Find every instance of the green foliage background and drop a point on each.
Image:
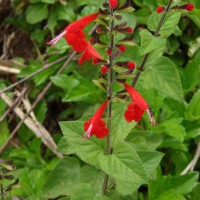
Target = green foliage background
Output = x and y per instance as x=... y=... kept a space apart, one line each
x=170 y=84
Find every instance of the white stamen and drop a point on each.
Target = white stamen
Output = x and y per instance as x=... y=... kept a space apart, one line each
x=57 y=38
x=87 y=133
x=152 y=120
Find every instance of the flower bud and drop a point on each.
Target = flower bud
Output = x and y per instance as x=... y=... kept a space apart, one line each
x=131 y=65
x=122 y=48
x=129 y=30
x=109 y=52
x=104 y=69
x=189 y=6
x=113 y=4
x=160 y=9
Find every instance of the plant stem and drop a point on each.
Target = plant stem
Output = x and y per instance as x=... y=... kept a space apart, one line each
x=1 y=184
x=109 y=94
x=141 y=67
x=2 y=195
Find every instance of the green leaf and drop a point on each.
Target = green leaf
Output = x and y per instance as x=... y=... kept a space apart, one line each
x=88 y=150
x=65 y=13
x=169 y=24
x=85 y=192
x=163 y=76
x=52 y=21
x=151 y=160
x=65 y=82
x=149 y=42
x=93 y=177
x=174 y=128
x=126 y=167
x=171 y=194
x=85 y=91
x=182 y=185
x=193 y=109
x=49 y=1
x=63 y=178
x=120 y=127
x=89 y=2
x=36 y=13
x=126 y=10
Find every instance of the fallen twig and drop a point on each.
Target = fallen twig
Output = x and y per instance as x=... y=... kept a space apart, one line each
x=192 y=164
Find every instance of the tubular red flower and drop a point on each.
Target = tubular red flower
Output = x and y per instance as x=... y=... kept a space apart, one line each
x=135 y=96
x=135 y=109
x=113 y=3
x=95 y=125
x=89 y=53
x=74 y=35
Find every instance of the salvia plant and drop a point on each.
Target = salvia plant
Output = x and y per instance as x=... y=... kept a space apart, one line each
x=103 y=140
x=110 y=160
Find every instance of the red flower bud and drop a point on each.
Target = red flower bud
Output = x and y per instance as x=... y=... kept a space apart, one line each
x=113 y=3
x=189 y=7
x=160 y=9
x=122 y=48
x=109 y=52
x=131 y=65
x=129 y=30
x=104 y=69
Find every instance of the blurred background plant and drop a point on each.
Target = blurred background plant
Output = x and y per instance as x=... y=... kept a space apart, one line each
x=25 y=27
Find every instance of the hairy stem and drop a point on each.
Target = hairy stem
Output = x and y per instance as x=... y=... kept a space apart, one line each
x=141 y=67
x=109 y=94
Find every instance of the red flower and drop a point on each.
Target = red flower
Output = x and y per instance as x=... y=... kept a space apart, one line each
x=189 y=7
x=136 y=109
x=159 y=9
x=95 y=125
x=89 y=53
x=113 y=3
x=74 y=34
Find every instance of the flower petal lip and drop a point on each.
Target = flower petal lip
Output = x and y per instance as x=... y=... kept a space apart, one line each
x=135 y=96
x=89 y=53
